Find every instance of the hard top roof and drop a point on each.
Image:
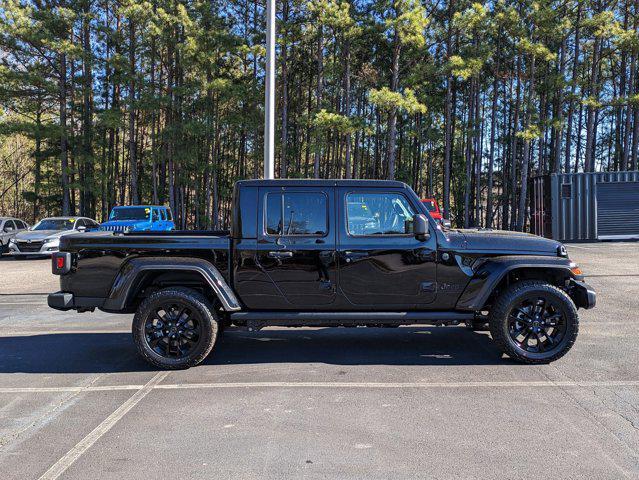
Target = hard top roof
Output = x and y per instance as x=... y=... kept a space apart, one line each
x=309 y=182
x=140 y=206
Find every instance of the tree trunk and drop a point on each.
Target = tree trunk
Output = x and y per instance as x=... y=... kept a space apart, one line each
x=284 y=133
x=320 y=91
x=589 y=163
x=573 y=87
x=347 y=108
x=491 y=154
x=448 y=114
x=64 y=154
x=392 y=115
x=133 y=164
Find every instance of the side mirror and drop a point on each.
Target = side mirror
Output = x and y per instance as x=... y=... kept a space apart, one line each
x=8 y=229
x=81 y=228
x=446 y=222
x=420 y=227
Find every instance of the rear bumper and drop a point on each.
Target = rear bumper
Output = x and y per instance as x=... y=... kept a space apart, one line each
x=61 y=301
x=583 y=294
x=67 y=301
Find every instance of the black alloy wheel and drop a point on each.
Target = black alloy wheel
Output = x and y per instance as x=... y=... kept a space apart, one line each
x=175 y=328
x=534 y=322
x=537 y=324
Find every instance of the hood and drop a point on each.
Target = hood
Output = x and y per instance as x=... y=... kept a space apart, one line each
x=40 y=235
x=123 y=223
x=501 y=241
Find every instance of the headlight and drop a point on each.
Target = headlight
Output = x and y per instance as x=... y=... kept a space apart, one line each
x=52 y=241
x=12 y=241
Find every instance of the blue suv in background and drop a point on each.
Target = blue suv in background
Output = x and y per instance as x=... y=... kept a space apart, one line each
x=139 y=218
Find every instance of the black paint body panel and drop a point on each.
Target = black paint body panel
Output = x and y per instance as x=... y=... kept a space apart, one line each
x=450 y=270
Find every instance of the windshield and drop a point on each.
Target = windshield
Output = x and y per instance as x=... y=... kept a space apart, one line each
x=135 y=213
x=55 y=224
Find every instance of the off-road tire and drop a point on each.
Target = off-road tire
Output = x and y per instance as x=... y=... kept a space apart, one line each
x=196 y=301
x=510 y=298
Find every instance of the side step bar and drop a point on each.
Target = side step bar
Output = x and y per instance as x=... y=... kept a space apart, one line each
x=257 y=320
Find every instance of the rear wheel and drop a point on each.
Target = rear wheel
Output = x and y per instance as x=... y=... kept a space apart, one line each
x=534 y=322
x=175 y=328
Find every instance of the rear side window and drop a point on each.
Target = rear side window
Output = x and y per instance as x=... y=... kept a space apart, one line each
x=379 y=214
x=296 y=214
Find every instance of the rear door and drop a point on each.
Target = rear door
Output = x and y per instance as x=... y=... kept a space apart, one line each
x=296 y=245
x=381 y=263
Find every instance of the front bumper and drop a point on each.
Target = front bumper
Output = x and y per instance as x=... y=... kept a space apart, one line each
x=583 y=294
x=17 y=250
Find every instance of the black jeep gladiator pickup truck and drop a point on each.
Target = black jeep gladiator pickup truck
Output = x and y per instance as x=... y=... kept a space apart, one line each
x=325 y=253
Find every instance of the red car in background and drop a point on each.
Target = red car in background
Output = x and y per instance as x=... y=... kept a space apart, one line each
x=433 y=208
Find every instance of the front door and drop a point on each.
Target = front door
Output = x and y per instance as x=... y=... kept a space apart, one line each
x=296 y=245
x=381 y=263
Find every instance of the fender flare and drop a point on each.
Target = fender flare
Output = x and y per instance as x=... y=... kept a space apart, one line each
x=126 y=279
x=490 y=271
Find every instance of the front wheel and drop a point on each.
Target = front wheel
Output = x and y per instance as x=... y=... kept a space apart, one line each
x=175 y=328
x=534 y=322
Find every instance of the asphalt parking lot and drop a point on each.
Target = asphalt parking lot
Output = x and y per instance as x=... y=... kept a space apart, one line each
x=76 y=401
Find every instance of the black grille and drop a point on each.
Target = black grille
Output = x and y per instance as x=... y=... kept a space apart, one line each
x=30 y=247
x=113 y=228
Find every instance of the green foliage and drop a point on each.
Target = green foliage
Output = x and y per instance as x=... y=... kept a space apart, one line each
x=385 y=99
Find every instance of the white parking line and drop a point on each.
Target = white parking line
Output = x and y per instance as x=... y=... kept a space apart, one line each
x=31 y=333
x=83 y=445
x=352 y=385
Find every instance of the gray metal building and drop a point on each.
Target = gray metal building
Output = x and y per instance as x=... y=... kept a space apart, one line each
x=586 y=206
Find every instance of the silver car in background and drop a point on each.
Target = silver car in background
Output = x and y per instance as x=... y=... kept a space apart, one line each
x=9 y=228
x=44 y=237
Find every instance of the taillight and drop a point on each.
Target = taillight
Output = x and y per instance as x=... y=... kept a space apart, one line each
x=61 y=263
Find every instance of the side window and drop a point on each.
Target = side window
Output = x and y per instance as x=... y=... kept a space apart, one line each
x=296 y=214
x=155 y=216
x=80 y=223
x=163 y=214
x=169 y=215
x=21 y=225
x=379 y=214
x=9 y=224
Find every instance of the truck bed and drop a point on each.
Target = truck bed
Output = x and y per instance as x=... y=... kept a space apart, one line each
x=101 y=255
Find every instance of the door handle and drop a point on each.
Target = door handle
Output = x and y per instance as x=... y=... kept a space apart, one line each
x=280 y=255
x=424 y=254
x=353 y=256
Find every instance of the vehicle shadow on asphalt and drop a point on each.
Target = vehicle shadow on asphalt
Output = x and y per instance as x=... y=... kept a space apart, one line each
x=115 y=352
